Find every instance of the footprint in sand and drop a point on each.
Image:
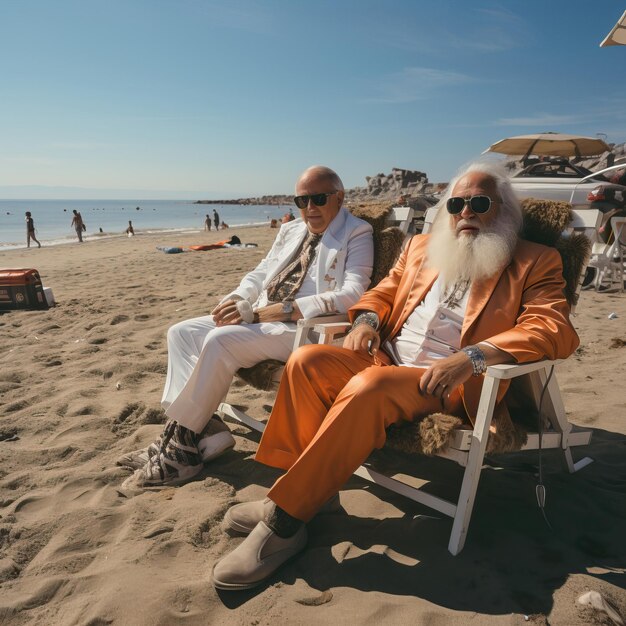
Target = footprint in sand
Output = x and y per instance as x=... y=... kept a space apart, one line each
x=157 y=367
x=50 y=327
x=118 y=319
x=85 y=410
x=4 y=387
x=158 y=529
x=133 y=409
x=346 y=550
x=16 y=406
x=142 y=317
x=13 y=377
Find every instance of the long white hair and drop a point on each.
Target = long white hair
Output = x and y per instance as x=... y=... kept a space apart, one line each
x=473 y=258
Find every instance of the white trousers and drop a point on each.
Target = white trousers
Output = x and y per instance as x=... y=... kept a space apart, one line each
x=202 y=360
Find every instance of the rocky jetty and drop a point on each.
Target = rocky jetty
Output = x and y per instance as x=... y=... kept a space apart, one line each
x=409 y=186
x=614 y=157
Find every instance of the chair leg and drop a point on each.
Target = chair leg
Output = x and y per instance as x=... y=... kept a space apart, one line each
x=556 y=412
x=471 y=475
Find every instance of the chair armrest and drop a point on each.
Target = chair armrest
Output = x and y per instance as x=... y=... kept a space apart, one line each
x=304 y=326
x=311 y=322
x=327 y=332
x=513 y=370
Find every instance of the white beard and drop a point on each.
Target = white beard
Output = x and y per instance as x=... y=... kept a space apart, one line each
x=470 y=257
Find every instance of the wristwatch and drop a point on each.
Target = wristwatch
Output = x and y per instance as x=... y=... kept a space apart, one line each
x=477 y=358
x=288 y=307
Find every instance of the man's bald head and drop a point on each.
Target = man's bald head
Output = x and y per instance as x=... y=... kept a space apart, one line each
x=323 y=175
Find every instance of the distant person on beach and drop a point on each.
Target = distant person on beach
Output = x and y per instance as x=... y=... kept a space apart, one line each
x=130 y=231
x=287 y=217
x=216 y=219
x=223 y=225
x=319 y=264
x=30 y=230
x=207 y=223
x=469 y=295
x=78 y=225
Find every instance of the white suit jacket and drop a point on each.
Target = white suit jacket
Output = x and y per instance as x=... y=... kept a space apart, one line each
x=344 y=261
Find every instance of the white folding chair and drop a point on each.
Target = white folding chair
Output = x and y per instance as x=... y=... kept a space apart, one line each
x=608 y=258
x=467 y=447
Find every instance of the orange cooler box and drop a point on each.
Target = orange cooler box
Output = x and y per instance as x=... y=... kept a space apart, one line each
x=21 y=289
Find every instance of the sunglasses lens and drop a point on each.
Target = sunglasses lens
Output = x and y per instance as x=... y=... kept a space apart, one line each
x=455 y=205
x=480 y=204
x=319 y=199
x=301 y=201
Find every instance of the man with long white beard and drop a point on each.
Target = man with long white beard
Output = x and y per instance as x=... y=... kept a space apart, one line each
x=469 y=295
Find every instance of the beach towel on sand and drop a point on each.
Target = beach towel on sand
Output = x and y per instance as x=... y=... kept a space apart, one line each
x=169 y=249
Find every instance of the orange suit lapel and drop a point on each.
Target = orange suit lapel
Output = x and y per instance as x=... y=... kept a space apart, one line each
x=423 y=280
x=480 y=293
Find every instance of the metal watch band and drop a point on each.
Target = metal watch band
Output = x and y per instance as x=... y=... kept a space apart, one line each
x=370 y=318
x=477 y=357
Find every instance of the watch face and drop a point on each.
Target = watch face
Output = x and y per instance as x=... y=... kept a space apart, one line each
x=287 y=307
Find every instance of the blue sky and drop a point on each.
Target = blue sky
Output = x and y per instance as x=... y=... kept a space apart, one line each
x=229 y=98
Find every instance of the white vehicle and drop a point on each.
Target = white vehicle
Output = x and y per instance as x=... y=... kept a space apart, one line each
x=560 y=180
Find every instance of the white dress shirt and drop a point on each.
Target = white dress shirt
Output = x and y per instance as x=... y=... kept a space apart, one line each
x=431 y=332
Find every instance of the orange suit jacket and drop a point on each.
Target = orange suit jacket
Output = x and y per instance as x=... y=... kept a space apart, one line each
x=521 y=310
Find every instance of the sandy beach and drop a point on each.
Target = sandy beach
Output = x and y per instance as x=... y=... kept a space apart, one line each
x=81 y=383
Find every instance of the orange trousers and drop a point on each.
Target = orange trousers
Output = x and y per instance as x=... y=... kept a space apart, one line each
x=331 y=411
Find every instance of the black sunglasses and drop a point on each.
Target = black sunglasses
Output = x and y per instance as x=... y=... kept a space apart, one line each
x=478 y=204
x=318 y=199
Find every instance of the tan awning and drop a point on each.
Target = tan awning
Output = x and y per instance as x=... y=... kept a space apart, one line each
x=617 y=36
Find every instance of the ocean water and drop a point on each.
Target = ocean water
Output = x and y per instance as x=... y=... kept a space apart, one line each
x=53 y=218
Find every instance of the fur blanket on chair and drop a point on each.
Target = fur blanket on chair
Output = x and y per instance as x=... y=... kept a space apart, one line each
x=544 y=222
x=387 y=239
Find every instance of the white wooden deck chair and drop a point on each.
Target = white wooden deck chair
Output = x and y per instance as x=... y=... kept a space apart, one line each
x=429 y=218
x=401 y=217
x=608 y=258
x=586 y=221
x=467 y=447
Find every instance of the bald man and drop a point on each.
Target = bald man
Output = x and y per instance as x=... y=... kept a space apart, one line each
x=469 y=295
x=320 y=264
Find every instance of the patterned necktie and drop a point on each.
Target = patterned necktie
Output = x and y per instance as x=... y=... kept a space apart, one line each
x=286 y=284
